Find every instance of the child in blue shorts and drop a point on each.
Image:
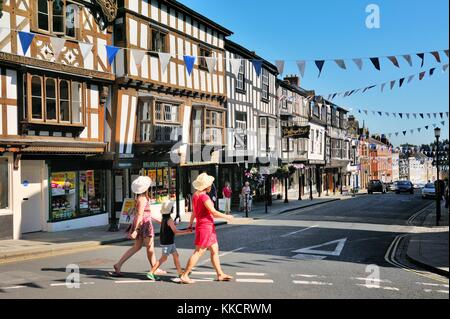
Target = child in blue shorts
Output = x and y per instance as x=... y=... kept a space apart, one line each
x=167 y=240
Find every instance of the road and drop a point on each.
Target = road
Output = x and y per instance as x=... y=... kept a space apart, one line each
x=336 y=250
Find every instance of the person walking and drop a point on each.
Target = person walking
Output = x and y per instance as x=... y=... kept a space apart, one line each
x=142 y=228
x=167 y=240
x=205 y=230
x=227 y=192
x=247 y=196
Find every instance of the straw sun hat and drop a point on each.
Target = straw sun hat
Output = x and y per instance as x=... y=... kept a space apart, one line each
x=141 y=185
x=203 y=181
x=166 y=208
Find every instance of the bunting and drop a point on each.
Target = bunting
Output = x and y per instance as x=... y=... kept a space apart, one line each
x=235 y=66
x=301 y=67
x=211 y=63
x=257 y=64
x=189 y=61
x=57 y=45
x=138 y=56
x=111 y=52
x=320 y=64
x=25 y=40
x=164 y=59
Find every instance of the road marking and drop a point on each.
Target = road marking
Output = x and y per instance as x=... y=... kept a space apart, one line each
x=260 y=281
x=432 y=285
x=315 y=283
x=378 y=287
x=308 y=257
x=373 y=280
x=134 y=282
x=390 y=258
x=440 y=291
x=420 y=212
x=221 y=255
x=312 y=250
x=299 y=231
x=65 y=284
x=12 y=287
x=307 y=276
x=256 y=274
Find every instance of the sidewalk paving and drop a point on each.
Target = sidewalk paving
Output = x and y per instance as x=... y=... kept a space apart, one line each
x=430 y=250
x=45 y=244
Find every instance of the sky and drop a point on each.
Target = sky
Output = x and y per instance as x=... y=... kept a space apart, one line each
x=294 y=30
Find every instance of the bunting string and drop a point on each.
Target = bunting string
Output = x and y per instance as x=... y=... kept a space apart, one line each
x=407 y=116
x=26 y=39
x=416 y=130
x=382 y=86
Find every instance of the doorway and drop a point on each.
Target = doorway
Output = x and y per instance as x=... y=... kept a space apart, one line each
x=32 y=196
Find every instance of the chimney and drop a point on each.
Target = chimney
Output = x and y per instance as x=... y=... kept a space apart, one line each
x=293 y=80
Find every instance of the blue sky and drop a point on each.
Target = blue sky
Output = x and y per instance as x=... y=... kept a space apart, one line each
x=327 y=29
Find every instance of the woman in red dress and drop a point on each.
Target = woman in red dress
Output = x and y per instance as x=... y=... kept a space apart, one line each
x=205 y=230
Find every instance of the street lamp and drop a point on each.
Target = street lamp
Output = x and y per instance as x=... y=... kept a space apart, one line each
x=437 y=134
x=354 y=164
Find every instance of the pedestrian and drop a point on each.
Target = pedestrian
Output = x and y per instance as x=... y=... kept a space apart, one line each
x=167 y=240
x=205 y=230
x=213 y=194
x=247 y=196
x=227 y=192
x=141 y=230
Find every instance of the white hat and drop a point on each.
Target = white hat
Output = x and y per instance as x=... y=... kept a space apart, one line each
x=203 y=181
x=141 y=185
x=166 y=208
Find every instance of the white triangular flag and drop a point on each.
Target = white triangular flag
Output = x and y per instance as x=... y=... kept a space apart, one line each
x=301 y=67
x=164 y=59
x=235 y=66
x=85 y=48
x=211 y=62
x=410 y=78
x=359 y=63
x=138 y=56
x=280 y=66
x=57 y=45
x=444 y=68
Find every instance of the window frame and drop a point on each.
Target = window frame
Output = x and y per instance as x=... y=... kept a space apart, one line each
x=265 y=87
x=204 y=52
x=58 y=121
x=50 y=19
x=208 y=124
x=240 y=79
x=165 y=42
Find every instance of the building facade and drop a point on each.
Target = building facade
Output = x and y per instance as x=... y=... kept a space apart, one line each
x=55 y=111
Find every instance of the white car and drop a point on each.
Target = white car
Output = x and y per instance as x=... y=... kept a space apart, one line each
x=429 y=191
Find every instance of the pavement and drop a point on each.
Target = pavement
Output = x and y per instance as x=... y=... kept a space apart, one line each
x=336 y=250
x=430 y=250
x=44 y=244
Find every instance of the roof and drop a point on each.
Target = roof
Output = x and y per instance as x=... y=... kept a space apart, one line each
x=199 y=16
x=247 y=54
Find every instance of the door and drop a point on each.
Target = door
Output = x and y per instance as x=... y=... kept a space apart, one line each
x=31 y=185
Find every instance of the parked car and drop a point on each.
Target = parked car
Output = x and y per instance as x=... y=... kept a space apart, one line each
x=404 y=187
x=392 y=187
x=429 y=191
x=376 y=186
x=419 y=185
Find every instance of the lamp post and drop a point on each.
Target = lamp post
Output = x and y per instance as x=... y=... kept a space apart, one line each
x=354 y=164
x=437 y=134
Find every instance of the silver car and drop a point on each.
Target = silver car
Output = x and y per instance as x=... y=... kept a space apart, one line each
x=429 y=191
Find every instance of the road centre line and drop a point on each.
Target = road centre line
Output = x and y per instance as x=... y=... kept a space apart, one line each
x=298 y=231
x=307 y=276
x=432 y=285
x=12 y=287
x=440 y=291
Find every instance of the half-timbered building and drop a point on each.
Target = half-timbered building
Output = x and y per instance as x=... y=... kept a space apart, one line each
x=294 y=115
x=166 y=118
x=55 y=114
x=252 y=115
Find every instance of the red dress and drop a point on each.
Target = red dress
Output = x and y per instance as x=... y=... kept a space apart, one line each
x=205 y=230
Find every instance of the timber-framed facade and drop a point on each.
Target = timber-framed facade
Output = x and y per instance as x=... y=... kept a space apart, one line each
x=55 y=115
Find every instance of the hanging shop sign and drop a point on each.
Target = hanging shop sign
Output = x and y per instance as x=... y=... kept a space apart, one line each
x=296 y=131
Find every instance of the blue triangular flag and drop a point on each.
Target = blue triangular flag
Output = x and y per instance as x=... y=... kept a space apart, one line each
x=257 y=64
x=25 y=40
x=189 y=61
x=319 y=65
x=111 y=52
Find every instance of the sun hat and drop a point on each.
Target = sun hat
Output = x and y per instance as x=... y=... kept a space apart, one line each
x=166 y=208
x=141 y=185
x=203 y=181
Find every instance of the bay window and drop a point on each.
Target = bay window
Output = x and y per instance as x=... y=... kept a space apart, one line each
x=160 y=123
x=207 y=126
x=54 y=101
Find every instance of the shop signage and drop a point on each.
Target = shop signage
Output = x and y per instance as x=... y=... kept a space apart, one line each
x=127 y=212
x=126 y=155
x=154 y=165
x=296 y=131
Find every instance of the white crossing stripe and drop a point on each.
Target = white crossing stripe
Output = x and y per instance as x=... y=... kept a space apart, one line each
x=307 y=276
x=260 y=281
x=12 y=287
x=440 y=291
x=373 y=280
x=256 y=274
x=204 y=273
x=299 y=231
x=315 y=283
x=65 y=284
x=378 y=287
x=431 y=285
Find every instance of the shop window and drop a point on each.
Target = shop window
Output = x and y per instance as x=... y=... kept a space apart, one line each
x=76 y=194
x=164 y=178
x=55 y=100
x=4 y=183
